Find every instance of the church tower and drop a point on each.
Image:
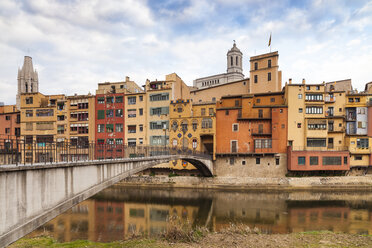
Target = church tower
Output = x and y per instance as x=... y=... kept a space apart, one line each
x=234 y=64
x=28 y=80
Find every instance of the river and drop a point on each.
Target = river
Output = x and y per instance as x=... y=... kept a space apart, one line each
x=119 y=212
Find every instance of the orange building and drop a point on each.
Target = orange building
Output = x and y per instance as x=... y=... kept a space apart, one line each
x=9 y=132
x=252 y=129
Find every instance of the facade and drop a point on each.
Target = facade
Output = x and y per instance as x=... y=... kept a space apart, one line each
x=264 y=74
x=234 y=71
x=214 y=93
x=28 y=80
x=251 y=130
x=110 y=118
x=193 y=127
x=9 y=133
x=136 y=119
x=316 y=120
x=159 y=94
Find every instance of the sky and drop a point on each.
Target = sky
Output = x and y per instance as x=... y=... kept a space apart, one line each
x=77 y=44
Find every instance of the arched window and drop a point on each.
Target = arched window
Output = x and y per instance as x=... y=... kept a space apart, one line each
x=184 y=125
x=194 y=143
x=174 y=125
x=207 y=123
x=231 y=60
x=26 y=86
x=31 y=88
x=194 y=125
x=236 y=58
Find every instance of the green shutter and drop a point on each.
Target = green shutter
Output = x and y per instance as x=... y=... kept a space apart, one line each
x=100 y=114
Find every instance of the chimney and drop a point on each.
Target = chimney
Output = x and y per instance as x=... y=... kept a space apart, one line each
x=290 y=81
x=303 y=81
x=126 y=79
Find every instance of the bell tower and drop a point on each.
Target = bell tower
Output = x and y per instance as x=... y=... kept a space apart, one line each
x=28 y=80
x=234 y=60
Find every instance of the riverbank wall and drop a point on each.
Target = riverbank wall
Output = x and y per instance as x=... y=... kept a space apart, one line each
x=250 y=183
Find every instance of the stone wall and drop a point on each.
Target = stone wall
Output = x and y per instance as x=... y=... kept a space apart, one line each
x=246 y=166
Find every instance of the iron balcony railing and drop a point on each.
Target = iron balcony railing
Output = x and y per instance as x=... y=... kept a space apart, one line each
x=17 y=151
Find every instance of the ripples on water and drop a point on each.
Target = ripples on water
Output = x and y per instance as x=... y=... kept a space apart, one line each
x=119 y=212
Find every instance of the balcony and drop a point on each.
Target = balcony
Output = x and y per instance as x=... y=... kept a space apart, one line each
x=329 y=99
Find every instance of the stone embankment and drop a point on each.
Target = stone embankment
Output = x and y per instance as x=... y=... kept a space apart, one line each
x=235 y=183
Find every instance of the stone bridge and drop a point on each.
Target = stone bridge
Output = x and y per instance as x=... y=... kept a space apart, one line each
x=31 y=195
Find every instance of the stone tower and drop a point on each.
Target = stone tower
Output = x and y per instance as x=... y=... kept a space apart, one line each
x=234 y=64
x=28 y=80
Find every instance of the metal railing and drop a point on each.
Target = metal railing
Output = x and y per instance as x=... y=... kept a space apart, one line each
x=18 y=151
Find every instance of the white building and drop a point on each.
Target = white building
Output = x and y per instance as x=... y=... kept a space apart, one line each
x=234 y=71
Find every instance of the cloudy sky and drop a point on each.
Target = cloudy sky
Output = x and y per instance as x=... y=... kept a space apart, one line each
x=76 y=44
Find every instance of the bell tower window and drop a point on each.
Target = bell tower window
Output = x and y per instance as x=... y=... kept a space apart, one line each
x=232 y=60
x=26 y=87
x=236 y=60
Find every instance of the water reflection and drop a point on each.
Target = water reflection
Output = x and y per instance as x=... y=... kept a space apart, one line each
x=119 y=212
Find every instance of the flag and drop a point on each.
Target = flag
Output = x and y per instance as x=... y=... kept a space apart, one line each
x=269 y=40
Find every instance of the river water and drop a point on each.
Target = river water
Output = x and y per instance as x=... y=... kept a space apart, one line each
x=119 y=212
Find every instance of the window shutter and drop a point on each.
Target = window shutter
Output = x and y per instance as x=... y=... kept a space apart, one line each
x=101 y=114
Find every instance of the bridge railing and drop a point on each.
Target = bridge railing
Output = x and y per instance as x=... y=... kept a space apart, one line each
x=19 y=151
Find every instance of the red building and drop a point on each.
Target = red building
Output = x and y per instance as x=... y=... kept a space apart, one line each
x=109 y=119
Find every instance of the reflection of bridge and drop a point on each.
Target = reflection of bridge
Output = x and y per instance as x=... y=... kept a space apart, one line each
x=31 y=195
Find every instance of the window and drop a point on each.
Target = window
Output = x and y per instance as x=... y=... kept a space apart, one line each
x=332 y=160
x=100 y=141
x=272 y=99
x=258 y=160
x=119 y=128
x=140 y=98
x=100 y=100
x=299 y=96
x=158 y=124
x=258 y=100
x=159 y=111
x=314 y=110
x=101 y=128
x=300 y=110
x=277 y=160
x=357 y=99
x=314 y=97
x=109 y=128
x=44 y=112
x=119 y=113
x=234 y=146
x=132 y=129
x=140 y=128
x=255 y=78
x=194 y=125
x=316 y=126
x=211 y=112
x=119 y=99
x=316 y=142
x=236 y=103
x=83 y=105
x=140 y=111
x=207 y=123
x=260 y=113
x=29 y=113
x=7 y=130
x=345 y=160
x=269 y=63
x=119 y=141
x=307 y=87
x=109 y=113
x=110 y=141
x=232 y=161
x=317 y=87
x=243 y=162
x=100 y=114
x=301 y=160
x=298 y=125
x=213 y=99
x=256 y=66
x=194 y=143
x=174 y=142
x=358 y=157
x=362 y=143
x=159 y=97
x=262 y=143
x=140 y=140
x=131 y=113
x=203 y=111
x=179 y=109
x=235 y=127
x=110 y=99
x=269 y=76
x=226 y=112
x=132 y=100
x=29 y=100
x=314 y=161
x=7 y=117
x=184 y=125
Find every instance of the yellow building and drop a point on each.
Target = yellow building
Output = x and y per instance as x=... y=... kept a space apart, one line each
x=136 y=119
x=38 y=125
x=193 y=127
x=264 y=74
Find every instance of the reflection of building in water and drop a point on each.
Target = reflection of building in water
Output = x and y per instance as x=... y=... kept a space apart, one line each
x=334 y=218
x=254 y=210
x=76 y=223
x=109 y=221
x=153 y=218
